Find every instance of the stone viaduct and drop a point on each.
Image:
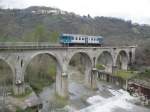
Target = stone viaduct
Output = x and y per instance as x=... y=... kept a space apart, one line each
x=19 y=55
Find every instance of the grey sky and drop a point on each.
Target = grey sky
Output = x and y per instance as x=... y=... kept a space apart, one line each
x=135 y=10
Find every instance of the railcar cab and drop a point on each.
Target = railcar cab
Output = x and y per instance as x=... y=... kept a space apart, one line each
x=65 y=39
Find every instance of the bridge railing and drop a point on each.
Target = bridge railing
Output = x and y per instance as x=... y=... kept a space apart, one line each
x=6 y=44
x=38 y=45
x=27 y=45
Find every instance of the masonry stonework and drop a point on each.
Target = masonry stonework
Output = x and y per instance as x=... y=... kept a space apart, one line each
x=18 y=58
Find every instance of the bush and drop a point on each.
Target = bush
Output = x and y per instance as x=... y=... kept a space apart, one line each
x=26 y=110
x=100 y=67
x=145 y=74
x=125 y=74
x=38 y=84
x=52 y=71
x=28 y=91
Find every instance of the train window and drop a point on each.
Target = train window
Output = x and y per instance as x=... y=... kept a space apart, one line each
x=76 y=38
x=82 y=38
x=91 y=38
x=79 y=38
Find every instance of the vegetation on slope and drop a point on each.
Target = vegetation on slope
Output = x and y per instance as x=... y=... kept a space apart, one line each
x=17 y=23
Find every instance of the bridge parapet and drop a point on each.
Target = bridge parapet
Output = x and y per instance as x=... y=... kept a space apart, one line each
x=36 y=45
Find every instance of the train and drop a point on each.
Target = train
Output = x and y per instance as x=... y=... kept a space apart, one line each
x=77 y=39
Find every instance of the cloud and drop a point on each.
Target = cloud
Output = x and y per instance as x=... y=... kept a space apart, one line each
x=136 y=10
x=10 y=3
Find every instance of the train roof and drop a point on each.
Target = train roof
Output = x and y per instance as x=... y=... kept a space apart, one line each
x=80 y=35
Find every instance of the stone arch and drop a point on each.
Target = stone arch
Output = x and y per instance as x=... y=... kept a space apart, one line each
x=11 y=70
x=87 y=68
x=122 y=60
x=58 y=67
x=82 y=53
x=10 y=65
x=106 y=60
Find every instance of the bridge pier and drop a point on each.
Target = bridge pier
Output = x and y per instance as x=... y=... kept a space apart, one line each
x=94 y=75
x=62 y=86
x=18 y=88
x=18 y=81
x=114 y=70
x=64 y=90
x=108 y=69
x=125 y=66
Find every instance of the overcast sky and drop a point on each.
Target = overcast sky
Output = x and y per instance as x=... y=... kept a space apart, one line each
x=135 y=10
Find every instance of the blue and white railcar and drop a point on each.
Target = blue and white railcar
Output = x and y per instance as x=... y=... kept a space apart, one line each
x=73 y=39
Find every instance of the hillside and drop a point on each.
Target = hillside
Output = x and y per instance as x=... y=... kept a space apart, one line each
x=46 y=23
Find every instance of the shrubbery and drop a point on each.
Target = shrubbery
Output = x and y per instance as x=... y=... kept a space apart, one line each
x=145 y=74
x=100 y=67
x=125 y=74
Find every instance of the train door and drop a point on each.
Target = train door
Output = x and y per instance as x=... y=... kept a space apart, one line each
x=86 y=41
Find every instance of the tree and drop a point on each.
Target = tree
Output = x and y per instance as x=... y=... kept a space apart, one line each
x=40 y=34
x=54 y=37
